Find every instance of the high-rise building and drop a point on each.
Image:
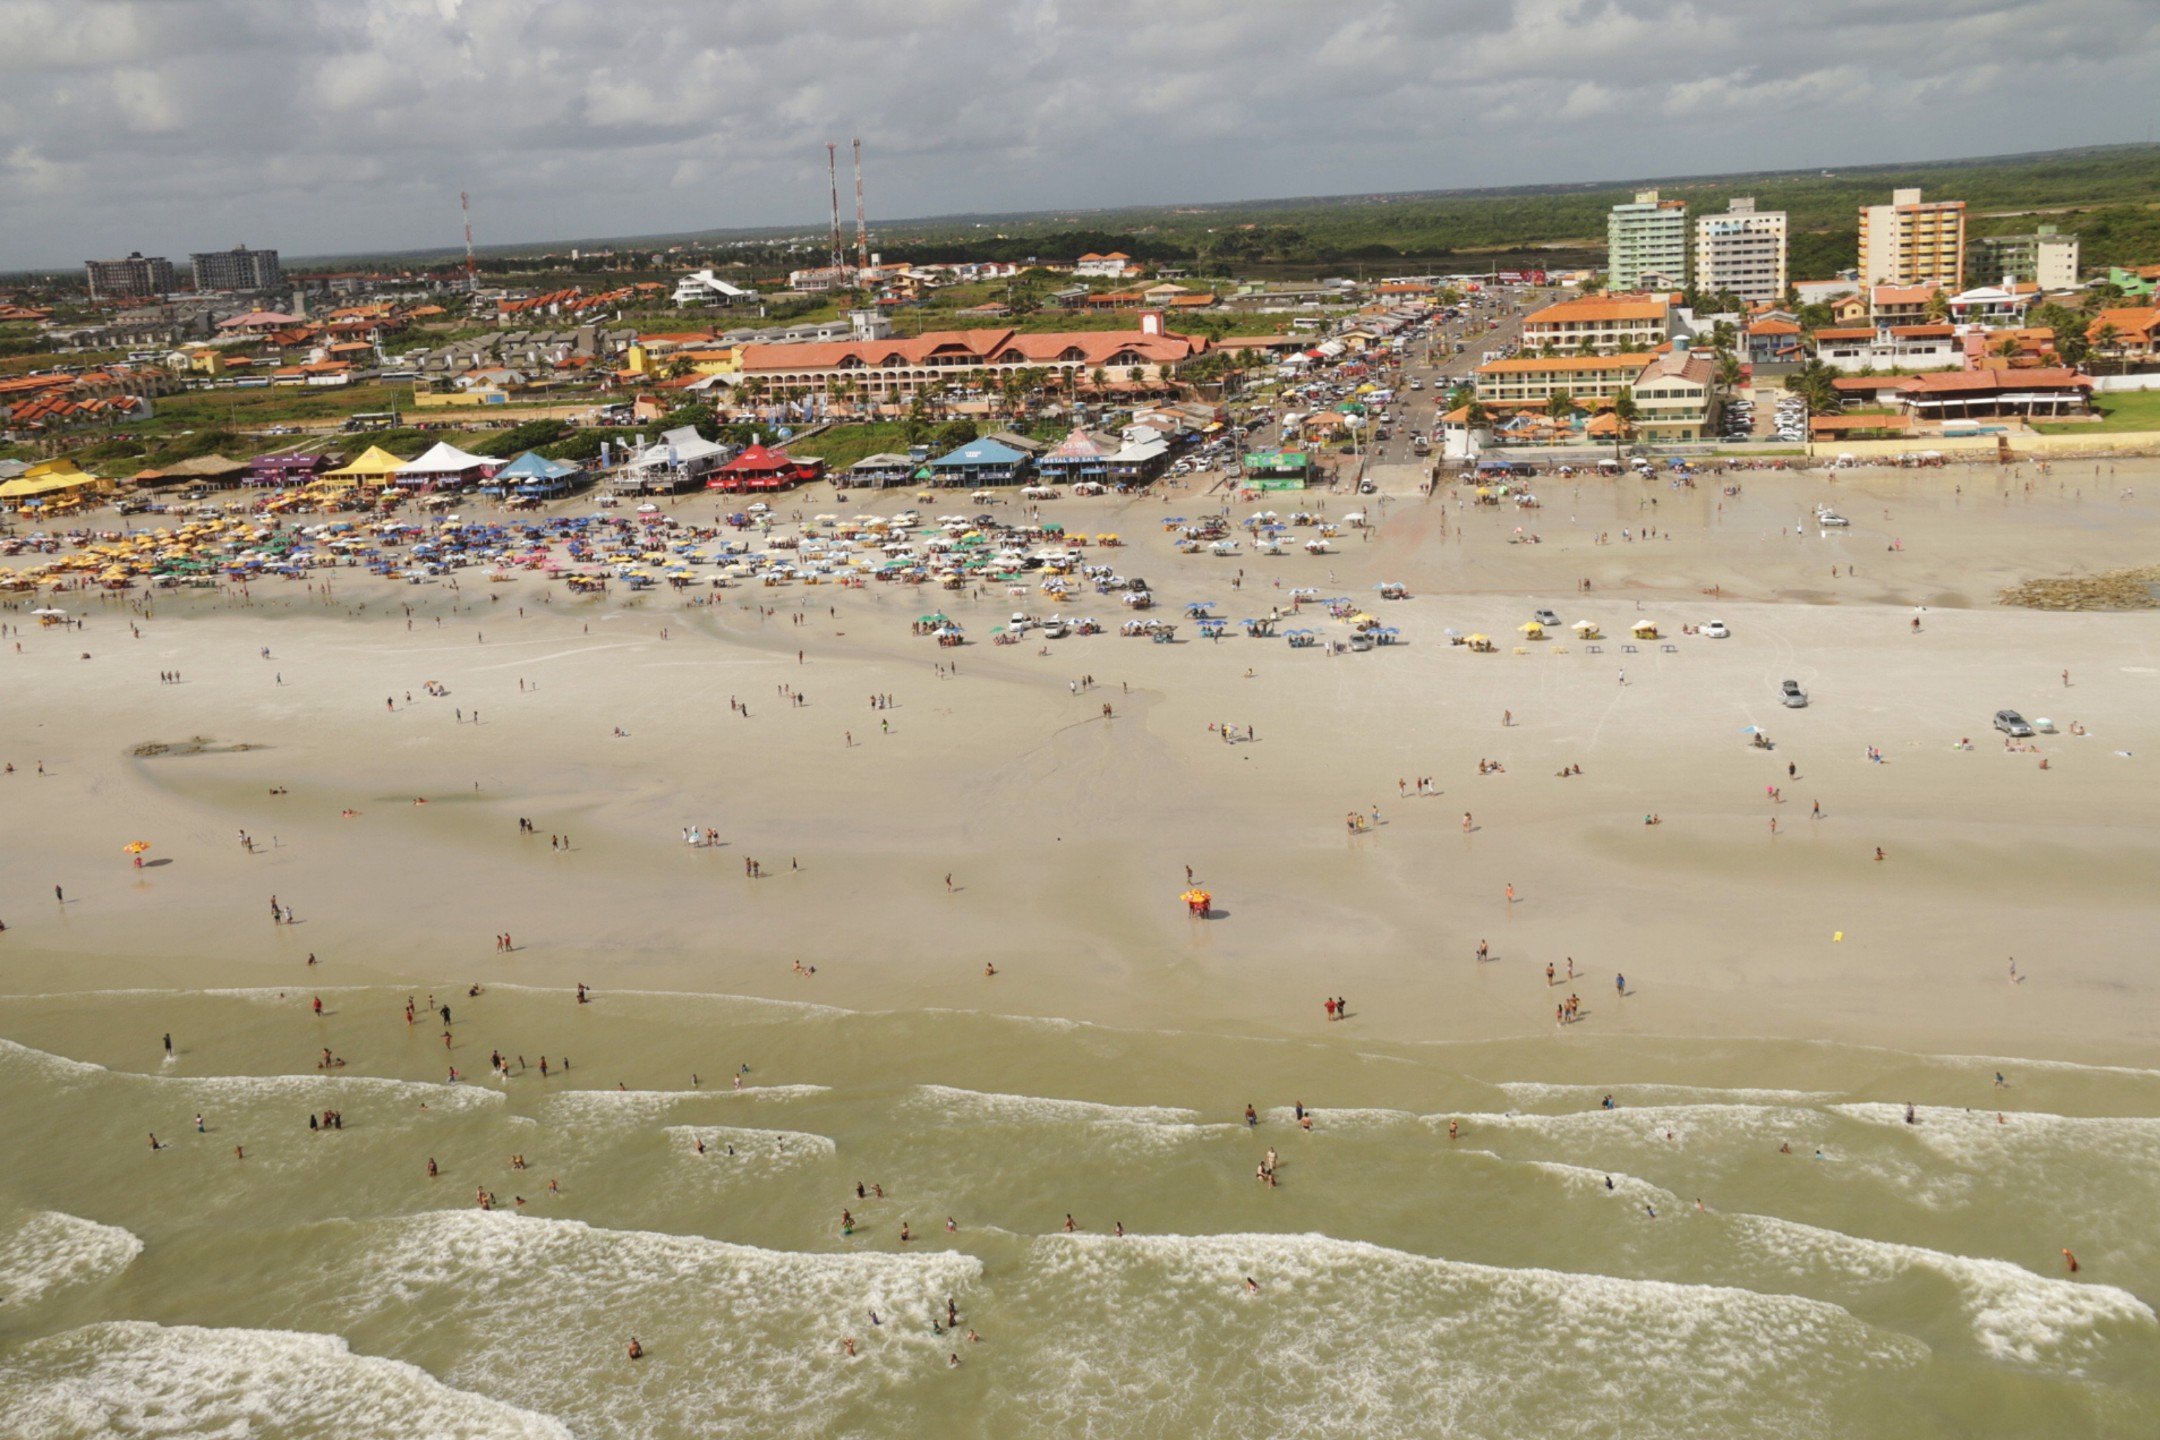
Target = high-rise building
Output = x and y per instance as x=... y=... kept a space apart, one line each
x=2047 y=258
x=1647 y=244
x=238 y=269
x=1741 y=251
x=1913 y=242
x=137 y=275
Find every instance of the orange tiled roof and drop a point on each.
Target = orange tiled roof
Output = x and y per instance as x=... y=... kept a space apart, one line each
x=2128 y=321
x=1530 y=365
x=1593 y=309
x=1087 y=347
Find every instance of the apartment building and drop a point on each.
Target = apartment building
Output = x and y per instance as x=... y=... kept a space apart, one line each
x=893 y=369
x=138 y=275
x=1889 y=347
x=2048 y=258
x=1528 y=381
x=1646 y=244
x=1676 y=396
x=1911 y=241
x=1608 y=324
x=1742 y=251
x=239 y=269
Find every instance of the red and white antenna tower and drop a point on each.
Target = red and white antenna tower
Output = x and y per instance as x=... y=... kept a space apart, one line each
x=472 y=268
x=832 y=173
x=862 y=226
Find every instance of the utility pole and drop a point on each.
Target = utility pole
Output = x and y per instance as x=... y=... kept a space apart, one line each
x=832 y=173
x=862 y=227
x=472 y=269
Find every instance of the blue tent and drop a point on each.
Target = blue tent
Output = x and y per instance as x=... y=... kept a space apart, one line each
x=982 y=462
x=534 y=474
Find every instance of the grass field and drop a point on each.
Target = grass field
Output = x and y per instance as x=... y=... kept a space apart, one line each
x=274 y=405
x=2131 y=410
x=843 y=445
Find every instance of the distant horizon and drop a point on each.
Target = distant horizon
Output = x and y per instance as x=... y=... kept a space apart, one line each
x=1079 y=215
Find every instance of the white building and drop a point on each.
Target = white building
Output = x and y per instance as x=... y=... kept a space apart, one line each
x=702 y=287
x=1890 y=347
x=1606 y=324
x=1741 y=251
x=1114 y=266
x=1647 y=244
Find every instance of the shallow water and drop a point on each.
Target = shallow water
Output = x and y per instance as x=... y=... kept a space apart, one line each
x=1513 y=1280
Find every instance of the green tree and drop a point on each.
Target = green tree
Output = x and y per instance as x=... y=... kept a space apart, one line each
x=1624 y=416
x=1815 y=383
x=1560 y=405
x=1938 y=306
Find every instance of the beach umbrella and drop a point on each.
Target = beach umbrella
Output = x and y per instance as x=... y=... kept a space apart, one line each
x=135 y=847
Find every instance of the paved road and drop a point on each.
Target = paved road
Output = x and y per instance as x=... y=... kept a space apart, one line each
x=1494 y=326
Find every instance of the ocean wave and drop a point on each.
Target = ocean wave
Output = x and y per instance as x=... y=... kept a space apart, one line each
x=50 y=1251
x=204 y=1091
x=1349 y=1338
x=759 y=1151
x=1531 y=1092
x=2015 y=1314
x=125 y=1379
x=739 y=1339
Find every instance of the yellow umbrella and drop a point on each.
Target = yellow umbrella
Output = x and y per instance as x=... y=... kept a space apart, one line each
x=1531 y=627
x=135 y=847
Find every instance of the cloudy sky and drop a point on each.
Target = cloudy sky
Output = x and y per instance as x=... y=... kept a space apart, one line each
x=326 y=126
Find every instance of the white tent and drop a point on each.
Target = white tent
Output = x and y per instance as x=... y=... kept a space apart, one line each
x=679 y=458
x=442 y=462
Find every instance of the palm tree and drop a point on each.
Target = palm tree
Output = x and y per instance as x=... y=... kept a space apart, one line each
x=1938 y=305
x=2007 y=348
x=1624 y=414
x=1815 y=383
x=1559 y=404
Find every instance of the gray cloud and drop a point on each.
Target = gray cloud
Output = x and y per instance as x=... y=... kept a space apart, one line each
x=320 y=126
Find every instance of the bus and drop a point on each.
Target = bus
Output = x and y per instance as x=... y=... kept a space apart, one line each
x=371 y=420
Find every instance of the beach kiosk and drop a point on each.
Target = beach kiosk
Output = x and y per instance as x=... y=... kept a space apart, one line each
x=980 y=463
x=1644 y=629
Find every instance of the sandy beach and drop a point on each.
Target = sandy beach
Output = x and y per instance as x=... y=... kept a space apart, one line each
x=1779 y=981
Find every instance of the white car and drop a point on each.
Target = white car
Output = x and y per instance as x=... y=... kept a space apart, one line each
x=1831 y=517
x=1715 y=630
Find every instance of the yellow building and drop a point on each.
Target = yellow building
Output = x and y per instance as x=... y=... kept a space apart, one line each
x=1913 y=242
x=1529 y=381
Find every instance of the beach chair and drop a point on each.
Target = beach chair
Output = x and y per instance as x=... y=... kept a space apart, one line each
x=1593 y=649
x=1559 y=649
x=1670 y=649
x=1522 y=649
x=1627 y=649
